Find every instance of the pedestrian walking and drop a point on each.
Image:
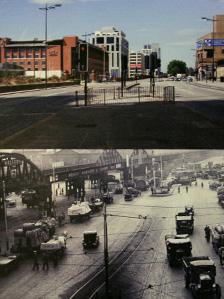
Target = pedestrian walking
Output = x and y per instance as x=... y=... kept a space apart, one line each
x=196 y=183
x=45 y=261
x=202 y=184
x=207 y=233
x=35 y=261
x=178 y=189
x=186 y=189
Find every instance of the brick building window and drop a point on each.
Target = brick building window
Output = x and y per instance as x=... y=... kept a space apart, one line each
x=15 y=53
x=29 y=62
x=7 y=53
x=29 y=53
x=36 y=63
x=43 y=53
x=222 y=51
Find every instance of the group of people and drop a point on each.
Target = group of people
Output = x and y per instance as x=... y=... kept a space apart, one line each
x=207 y=230
x=45 y=259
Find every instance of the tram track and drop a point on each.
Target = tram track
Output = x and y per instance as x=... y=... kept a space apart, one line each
x=94 y=284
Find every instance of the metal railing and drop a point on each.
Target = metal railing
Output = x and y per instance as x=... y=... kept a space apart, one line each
x=138 y=94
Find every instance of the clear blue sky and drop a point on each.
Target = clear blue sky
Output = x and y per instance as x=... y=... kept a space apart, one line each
x=174 y=24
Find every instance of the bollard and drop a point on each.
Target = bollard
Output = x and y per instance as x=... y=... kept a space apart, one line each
x=76 y=98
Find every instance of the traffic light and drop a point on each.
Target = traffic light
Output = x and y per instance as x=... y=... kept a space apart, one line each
x=153 y=61
x=83 y=57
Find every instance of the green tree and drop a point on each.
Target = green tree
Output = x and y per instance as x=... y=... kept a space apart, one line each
x=176 y=67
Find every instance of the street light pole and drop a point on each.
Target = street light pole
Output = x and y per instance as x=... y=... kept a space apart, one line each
x=46 y=8
x=213 y=45
x=106 y=256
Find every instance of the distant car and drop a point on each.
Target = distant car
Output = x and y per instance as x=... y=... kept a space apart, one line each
x=133 y=191
x=189 y=79
x=10 y=202
x=128 y=196
x=90 y=239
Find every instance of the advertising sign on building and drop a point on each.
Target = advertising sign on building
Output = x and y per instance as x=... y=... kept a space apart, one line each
x=209 y=43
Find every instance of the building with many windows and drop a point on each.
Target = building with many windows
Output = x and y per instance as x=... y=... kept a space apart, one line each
x=62 y=57
x=204 y=51
x=115 y=43
x=136 y=65
x=31 y=55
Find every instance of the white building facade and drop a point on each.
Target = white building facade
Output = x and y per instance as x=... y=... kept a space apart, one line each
x=136 y=64
x=114 y=41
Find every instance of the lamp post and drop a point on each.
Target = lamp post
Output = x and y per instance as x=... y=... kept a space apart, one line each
x=46 y=8
x=213 y=45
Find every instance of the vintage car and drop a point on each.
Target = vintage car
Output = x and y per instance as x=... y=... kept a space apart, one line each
x=177 y=247
x=200 y=275
x=128 y=196
x=108 y=197
x=184 y=223
x=133 y=191
x=90 y=239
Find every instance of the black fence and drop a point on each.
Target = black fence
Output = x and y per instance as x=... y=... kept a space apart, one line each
x=126 y=96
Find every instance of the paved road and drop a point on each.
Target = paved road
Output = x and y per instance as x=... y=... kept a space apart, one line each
x=147 y=266
x=49 y=118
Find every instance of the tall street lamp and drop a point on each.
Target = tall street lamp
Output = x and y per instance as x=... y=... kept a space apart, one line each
x=213 y=45
x=46 y=8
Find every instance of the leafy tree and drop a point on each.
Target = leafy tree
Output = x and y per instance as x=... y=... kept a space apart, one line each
x=176 y=67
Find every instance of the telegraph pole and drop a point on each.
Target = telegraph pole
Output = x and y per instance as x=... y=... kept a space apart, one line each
x=5 y=215
x=106 y=256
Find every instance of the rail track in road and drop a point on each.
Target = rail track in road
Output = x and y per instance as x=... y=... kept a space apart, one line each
x=95 y=283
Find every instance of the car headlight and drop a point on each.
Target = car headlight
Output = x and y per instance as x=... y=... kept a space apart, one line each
x=214 y=285
x=199 y=286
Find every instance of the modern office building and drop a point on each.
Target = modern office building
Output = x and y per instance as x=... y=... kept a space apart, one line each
x=62 y=57
x=147 y=51
x=115 y=43
x=136 y=65
x=204 y=50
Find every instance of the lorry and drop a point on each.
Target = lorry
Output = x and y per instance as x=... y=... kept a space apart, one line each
x=79 y=211
x=31 y=235
x=200 y=275
x=184 y=223
x=55 y=247
x=217 y=234
x=177 y=247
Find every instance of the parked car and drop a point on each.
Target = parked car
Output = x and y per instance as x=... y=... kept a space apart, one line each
x=10 y=202
x=133 y=191
x=128 y=196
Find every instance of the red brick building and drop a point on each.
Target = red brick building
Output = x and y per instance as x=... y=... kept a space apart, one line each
x=62 y=58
